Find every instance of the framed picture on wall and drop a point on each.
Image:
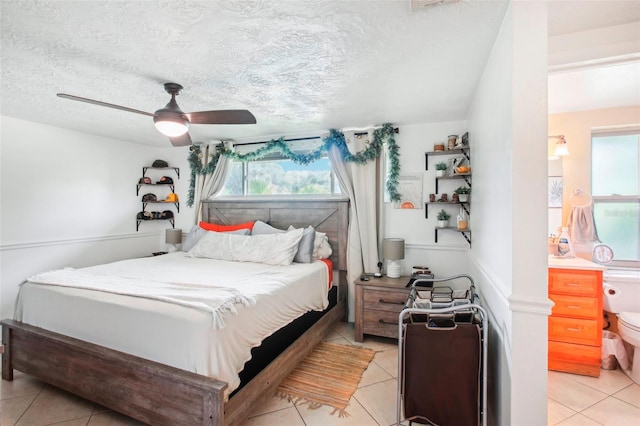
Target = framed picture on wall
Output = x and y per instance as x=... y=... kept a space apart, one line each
x=410 y=189
x=555 y=191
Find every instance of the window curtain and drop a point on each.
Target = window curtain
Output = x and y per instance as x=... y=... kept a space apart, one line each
x=360 y=183
x=209 y=184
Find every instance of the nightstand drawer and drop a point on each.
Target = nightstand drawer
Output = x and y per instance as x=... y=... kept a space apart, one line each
x=574 y=306
x=579 y=283
x=381 y=323
x=392 y=301
x=570 y=330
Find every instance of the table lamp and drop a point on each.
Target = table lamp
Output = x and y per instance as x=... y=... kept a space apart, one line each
x=393 y=250
x=173 y=237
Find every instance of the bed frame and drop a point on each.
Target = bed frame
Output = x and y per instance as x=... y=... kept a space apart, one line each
x=158 y=394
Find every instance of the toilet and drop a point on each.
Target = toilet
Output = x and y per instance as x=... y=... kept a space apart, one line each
x=621 y=289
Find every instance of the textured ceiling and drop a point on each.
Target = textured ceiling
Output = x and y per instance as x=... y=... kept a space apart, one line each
x=298 y=66
x=301 y=67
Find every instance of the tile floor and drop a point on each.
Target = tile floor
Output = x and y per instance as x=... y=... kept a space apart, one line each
x=613 y=399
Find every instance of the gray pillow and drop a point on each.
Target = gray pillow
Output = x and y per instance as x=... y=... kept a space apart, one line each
x=305 y=248
x=196 y=233
x=261 y=228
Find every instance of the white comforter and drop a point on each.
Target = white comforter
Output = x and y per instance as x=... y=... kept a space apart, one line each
x=172 y=333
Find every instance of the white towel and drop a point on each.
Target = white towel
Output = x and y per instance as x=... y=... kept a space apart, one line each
x=219 y=301
x=581 y=225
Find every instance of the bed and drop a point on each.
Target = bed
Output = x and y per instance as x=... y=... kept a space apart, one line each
x=159 y=393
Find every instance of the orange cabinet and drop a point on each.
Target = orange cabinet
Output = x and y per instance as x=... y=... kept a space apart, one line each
x=575 y=324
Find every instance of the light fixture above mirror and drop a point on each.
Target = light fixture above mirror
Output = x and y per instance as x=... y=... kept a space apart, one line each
x=561 y=149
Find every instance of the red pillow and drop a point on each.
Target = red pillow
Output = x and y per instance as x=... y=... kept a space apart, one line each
x=222 y=228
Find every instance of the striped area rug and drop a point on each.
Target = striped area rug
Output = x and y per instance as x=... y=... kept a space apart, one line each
x=329 y=375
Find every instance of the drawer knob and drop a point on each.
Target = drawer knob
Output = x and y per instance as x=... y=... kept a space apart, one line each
x=573 y=284
x=574 y=307
x=573 y=329
x=381 y=321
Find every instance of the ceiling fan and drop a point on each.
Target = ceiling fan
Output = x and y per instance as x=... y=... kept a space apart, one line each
x=174 y=123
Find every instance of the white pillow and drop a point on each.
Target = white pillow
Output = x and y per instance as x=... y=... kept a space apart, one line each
x=272 y=249
x=196 y=233
x=321 y=247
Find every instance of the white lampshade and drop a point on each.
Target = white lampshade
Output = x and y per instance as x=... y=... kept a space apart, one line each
x=393 y=250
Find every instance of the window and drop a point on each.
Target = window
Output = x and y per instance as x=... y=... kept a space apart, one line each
x=615 y=186
x=280 y=176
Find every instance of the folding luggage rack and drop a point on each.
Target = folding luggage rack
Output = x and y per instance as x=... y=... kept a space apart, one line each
x=442 y=363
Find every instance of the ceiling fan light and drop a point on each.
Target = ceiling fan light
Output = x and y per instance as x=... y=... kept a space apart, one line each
x=171 y=126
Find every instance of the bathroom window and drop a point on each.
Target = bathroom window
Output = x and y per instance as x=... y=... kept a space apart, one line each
x=615 y=186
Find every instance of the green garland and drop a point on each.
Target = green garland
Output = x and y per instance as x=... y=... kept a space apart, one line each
x=335 y=138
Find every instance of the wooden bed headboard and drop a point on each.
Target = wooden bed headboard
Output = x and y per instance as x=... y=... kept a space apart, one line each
x=328 y=216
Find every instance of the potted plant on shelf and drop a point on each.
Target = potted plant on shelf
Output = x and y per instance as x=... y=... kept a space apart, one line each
x=441 y=167
x=443 y=218
x=463 y=193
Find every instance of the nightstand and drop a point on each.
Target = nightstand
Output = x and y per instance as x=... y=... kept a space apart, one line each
x=379 y=302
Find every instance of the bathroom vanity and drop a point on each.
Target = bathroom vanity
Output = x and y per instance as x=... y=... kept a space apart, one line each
x=575 y=324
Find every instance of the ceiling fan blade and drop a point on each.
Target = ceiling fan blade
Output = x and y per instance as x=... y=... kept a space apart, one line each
x=91 y=101
x=184 y=140
x=225 y=116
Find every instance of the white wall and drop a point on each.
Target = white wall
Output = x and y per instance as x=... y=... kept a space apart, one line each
x=507 y=122
x=449 y=255
x=69 y=199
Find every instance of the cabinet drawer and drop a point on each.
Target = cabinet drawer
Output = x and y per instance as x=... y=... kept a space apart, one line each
x=570 y=330
x=578 y=283
x=381 y=323
x=392 y=301
x=576 y=359
x=576 y=307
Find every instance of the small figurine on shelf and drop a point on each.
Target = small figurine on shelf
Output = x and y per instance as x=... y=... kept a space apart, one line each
x=451 y=142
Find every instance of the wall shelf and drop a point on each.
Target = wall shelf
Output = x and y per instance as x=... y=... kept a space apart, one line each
x=462 y=232
x=462 y=204
x=170 y=185
x=465 y=176
x=175 y=169
x=464 y=151
x=144 y=204
x=139 y=221
x=165 y=185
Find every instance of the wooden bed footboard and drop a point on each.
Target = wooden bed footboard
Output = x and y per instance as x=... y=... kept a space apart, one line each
x=145 y=390
x=158 y=394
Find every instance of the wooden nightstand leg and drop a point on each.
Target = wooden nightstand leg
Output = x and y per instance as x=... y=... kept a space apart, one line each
x=359 y=313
